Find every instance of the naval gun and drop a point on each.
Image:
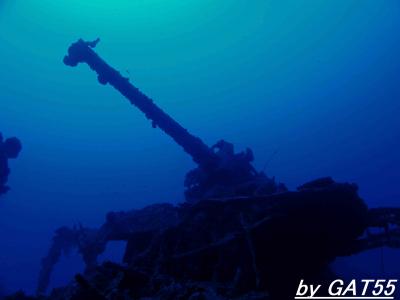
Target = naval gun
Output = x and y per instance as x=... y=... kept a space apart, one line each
x=221 y=172
x=266 y=242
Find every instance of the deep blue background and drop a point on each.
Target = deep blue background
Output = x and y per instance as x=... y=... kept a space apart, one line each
x=316 y=81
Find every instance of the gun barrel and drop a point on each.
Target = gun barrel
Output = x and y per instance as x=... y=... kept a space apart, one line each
x=82 y=52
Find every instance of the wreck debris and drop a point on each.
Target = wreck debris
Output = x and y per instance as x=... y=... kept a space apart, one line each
x=244 y=244
x=90 y=243
x=63 y=242
x=9 y=149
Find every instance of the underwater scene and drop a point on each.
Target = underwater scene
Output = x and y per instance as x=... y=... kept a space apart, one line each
x=199 y=150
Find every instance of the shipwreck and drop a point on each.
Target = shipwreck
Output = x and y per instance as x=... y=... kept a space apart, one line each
x=239 y=234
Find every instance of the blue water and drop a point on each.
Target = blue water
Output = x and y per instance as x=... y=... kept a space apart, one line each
x=317 y=82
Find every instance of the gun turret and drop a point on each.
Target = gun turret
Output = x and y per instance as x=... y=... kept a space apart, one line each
x=221 y=172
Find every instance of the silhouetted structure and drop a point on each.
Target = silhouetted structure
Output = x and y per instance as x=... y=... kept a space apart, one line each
x=220 y=173
x=248 y=238
x=9 y=149
x=241 y=245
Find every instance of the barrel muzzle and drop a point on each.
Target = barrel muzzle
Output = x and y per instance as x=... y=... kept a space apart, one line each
x=78 y=51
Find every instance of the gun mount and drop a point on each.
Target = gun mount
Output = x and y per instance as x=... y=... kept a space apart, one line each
x=257 y=235
x=221 y=172
x=218 y=249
